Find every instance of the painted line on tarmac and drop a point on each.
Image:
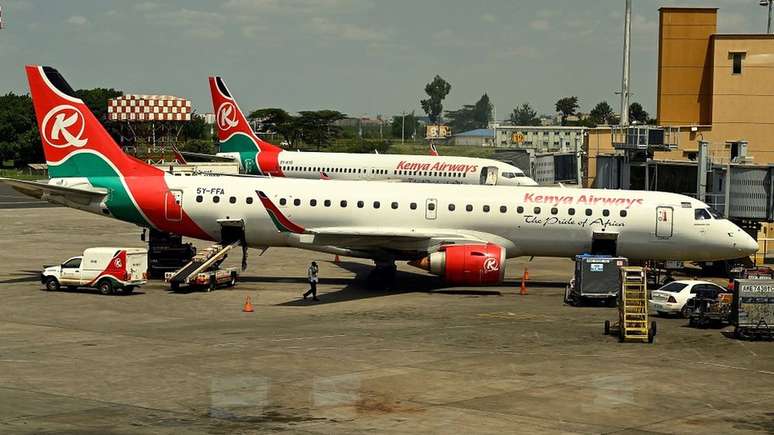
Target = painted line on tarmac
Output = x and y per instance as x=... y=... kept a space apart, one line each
x=309 y=338
x=23 y=202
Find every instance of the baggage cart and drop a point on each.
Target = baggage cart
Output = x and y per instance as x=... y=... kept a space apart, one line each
x=596 y=278
x=752 y=311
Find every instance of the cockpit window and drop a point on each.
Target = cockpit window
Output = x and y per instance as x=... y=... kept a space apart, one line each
x=701 y=214
x=508 y=175
x=715 y=213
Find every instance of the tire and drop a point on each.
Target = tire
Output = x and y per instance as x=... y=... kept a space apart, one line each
x=651 y=336
x=105 y=287
x=233 y=281
x=52 y=284
x=174 y=286
x=653 y=327
x=685 y=311
x=607 y=327
x=621 y=334
x=213 y=284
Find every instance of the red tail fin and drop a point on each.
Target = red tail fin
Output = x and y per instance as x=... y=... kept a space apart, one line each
x=67 y=127
x=230 y=120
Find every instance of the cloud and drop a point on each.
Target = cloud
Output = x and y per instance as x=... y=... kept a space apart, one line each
x=146 y=6
x=539 y=24
x=77 y=20
x=641 y=24
x=292 y=6
x=488 y=18
x=522 y=51
x=349 y=32
x=197 y=24
x=252 y=31
x=731 y=22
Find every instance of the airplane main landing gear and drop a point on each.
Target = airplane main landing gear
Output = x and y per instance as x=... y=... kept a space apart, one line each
x=382 y=277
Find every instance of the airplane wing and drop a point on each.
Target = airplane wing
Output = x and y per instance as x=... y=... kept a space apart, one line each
x=45 y=191
x=208 y=157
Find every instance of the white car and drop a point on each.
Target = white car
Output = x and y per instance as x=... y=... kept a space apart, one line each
x=671 y=298
x=108 y=269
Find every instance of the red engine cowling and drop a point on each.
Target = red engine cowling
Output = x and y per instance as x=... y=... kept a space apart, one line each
x=469 y=264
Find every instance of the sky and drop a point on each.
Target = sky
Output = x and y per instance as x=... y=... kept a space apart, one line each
x=361 y=57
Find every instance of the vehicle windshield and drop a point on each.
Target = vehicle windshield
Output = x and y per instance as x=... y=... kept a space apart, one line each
x=673 y=287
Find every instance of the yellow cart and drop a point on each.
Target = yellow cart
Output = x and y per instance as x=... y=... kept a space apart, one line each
x=632 y=324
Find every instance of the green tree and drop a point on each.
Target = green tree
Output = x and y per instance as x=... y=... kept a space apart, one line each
x=196 y=128
x=471 y=116
x=19 y=138
x=602 y=113
x=318 y=128
x=637 y=113
x=567 y=106
x=278 y=121
x=406 y=127
x=524 y=115
x=436 y=90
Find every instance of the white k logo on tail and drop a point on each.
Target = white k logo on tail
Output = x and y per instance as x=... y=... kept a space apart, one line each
x=491 y=265
x=226 y=116
x=63 y=127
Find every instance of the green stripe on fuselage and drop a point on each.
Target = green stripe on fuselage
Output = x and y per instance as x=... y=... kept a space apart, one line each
x=247 y=150
x=101 y=174
x=281 y=228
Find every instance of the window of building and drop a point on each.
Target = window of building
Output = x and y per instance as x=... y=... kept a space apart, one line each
x=736 y=61
x=199 y=198
x=232 y=200
x=249 y=199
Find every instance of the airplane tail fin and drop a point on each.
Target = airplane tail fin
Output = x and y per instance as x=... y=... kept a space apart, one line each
x=234 y=132
x=75 y=144
x=433 y=150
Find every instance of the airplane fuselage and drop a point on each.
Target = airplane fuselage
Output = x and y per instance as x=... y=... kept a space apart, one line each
x=526 y=221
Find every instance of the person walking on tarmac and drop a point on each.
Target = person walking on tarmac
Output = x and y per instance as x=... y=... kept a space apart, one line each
x=312 y=275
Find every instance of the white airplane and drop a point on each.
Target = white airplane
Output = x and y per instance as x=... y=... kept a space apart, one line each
x=462 y=233
x=256 y=156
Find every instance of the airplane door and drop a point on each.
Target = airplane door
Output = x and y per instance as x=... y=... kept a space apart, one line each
x=489 y=175
x=431 y=206
x=664 y=222
x=173 y=205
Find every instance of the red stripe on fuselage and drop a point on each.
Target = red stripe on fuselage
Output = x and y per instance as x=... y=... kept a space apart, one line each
x=278 y=214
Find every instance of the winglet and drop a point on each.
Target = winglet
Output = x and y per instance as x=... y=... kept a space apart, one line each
x=283 y=224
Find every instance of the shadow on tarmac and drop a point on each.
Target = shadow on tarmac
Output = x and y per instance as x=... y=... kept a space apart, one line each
x=29 y=276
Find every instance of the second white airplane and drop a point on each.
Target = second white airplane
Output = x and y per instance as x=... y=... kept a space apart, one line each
x=256 y=156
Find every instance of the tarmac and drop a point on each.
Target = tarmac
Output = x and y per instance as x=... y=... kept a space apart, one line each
x=419 y=358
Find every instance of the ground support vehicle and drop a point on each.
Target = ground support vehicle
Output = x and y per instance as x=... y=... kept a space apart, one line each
x=752 y=311
x=596 y=278
x=632 y=324
x=203 y=271
x=709 y=308
x=108 y=269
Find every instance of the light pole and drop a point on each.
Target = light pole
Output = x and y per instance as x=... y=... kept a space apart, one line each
x=403 y=127
x=767 y=3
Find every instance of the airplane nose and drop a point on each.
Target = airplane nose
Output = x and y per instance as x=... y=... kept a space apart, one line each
x=745 y=244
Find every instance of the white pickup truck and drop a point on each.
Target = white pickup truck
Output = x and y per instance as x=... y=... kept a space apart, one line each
x=111 y=270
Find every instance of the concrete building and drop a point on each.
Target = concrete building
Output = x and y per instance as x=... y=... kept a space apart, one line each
x=541 y=139
x=713 y=87
x=482 y=137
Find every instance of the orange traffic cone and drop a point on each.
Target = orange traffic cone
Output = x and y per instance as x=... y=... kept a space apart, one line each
x=248 y=308
x=336 y=260
x=524 y=277
x=526 y=273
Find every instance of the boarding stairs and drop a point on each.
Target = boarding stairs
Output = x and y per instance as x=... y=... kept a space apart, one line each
x=633 y=304
x=202 y=261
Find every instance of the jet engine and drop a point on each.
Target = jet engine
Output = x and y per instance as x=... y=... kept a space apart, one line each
x=466 y=264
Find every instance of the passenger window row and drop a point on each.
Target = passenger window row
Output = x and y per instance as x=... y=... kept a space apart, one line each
x=430 y=173
x=413 y=206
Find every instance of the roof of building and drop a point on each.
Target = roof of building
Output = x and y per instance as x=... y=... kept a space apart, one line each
x=479 y=132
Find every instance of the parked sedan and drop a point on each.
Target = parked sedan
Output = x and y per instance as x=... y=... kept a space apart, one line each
x=671 y=298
